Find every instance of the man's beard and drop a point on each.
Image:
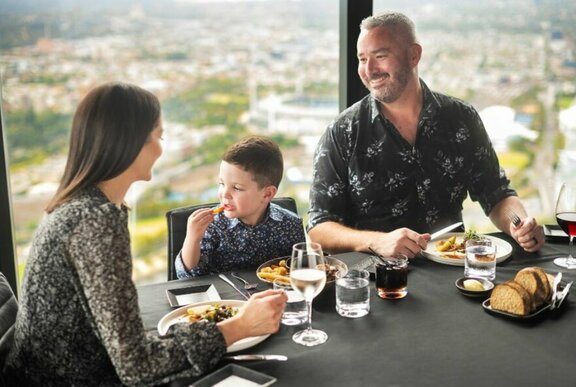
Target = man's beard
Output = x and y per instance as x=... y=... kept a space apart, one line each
x=394 y=89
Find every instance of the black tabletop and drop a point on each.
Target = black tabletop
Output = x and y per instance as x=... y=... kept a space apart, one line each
x=433 y=337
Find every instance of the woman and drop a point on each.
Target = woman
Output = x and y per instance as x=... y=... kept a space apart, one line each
x=79 y=321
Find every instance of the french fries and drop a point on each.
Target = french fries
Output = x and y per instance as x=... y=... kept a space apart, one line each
x=217 y=210
x=275 y=272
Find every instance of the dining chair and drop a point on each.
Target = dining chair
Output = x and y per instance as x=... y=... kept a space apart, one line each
x=177 y=219
x=8 y=311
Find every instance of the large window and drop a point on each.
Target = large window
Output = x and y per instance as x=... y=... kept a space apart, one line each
x=222 y=69
x=514 y=61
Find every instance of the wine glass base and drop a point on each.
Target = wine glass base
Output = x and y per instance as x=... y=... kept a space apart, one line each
x=310 y=337
x=566 y=262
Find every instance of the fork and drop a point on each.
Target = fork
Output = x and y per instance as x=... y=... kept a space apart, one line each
x=247 y=285
x=515 y=219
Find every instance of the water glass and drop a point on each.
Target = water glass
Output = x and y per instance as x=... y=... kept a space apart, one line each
x=295 y=312
x=480 y=260
x=392 y=277
x=353 y=293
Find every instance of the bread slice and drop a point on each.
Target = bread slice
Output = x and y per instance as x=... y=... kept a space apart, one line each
x=546 y=283
x=537 y=285
x=512 y=298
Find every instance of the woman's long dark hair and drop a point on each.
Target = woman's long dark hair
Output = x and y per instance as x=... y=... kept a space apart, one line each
x=109 y=128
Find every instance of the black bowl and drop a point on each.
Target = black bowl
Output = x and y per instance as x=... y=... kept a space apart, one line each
x=487 y=285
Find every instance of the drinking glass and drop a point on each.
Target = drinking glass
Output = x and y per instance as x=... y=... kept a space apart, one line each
x=308 y=277
x=566 y=218
x=480 y=259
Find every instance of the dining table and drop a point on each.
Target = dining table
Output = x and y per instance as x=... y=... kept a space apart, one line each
x=435 y=336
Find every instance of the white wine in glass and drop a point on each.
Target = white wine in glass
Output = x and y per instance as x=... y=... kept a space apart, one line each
x=308 y=277
x=566 y=218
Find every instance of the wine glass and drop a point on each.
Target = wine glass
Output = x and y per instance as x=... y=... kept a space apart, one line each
x=308 y=277
x=566 y=218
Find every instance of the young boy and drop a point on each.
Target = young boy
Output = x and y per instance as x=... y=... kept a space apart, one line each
x=251 y=229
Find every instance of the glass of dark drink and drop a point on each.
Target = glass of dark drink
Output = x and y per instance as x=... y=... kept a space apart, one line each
x=392 y=277
x=566 y=218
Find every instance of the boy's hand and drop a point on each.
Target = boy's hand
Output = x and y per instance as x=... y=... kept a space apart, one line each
x=198 y=222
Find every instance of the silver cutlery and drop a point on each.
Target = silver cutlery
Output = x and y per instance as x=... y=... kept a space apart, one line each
x=257 y=357
x=556 y=282
x=229 y=282
x=563 y=295
x=515 y=219
x=444 y=230
x=247 y=285
x=380 y=257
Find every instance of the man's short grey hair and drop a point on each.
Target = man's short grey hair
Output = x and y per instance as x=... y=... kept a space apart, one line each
x=399 y=23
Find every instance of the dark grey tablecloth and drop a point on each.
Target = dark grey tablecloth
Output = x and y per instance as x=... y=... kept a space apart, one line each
x=433 y=337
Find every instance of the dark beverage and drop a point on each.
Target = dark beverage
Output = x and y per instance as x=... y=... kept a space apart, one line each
x=392 y=278
x=567 y=221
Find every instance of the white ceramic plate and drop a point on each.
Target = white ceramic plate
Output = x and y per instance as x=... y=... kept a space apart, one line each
x=178 y=316
x=503 y=250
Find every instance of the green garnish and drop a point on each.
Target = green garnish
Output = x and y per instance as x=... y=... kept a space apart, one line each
x=471 y=235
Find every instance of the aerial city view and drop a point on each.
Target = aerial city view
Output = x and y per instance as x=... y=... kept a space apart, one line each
x=271 y=68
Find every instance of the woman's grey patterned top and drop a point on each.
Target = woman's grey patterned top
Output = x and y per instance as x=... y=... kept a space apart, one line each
x=229 y=244
x=367 y=176
x=79 y=321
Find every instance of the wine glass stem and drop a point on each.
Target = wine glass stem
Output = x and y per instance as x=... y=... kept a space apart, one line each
x=570 y=257
x=309 y=305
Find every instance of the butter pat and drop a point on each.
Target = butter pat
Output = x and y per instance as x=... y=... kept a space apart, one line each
x=473 y=285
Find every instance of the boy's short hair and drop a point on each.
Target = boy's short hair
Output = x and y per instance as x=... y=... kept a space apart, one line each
x=260 y=156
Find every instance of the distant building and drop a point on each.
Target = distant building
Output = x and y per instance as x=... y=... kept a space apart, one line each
x=292 y=114
x=503 y=124
x=567 y=156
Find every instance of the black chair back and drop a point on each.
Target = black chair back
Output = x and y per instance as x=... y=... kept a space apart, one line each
x=177 y=220
x=8 y=311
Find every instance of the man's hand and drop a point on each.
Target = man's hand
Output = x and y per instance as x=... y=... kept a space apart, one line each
x=400 y=241
x=528 y=234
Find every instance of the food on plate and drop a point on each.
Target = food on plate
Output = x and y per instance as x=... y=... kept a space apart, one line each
x=331 y=271
x=527 y=292
x=455 y=247
x=214 y=313
x=217 y=210
x=281 y=272
x=473 y=285
x=274 y=272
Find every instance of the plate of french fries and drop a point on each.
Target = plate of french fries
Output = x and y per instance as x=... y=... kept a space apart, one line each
x=449 y=249
x=208 y=311
x=279 y=268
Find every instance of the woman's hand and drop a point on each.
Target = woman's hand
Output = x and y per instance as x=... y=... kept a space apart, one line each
x=259 y=316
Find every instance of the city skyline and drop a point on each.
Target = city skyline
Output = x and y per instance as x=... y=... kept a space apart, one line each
x=285 y=53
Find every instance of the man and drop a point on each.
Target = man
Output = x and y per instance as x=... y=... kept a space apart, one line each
x=398 y=164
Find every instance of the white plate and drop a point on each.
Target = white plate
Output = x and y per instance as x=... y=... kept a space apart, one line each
x=178 y=316
x=503 y=250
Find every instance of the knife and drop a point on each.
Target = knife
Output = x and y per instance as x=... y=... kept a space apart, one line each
x=257 y=357
x=444 y=230
x=555 y=294
x=563 y=295
x=227 y=280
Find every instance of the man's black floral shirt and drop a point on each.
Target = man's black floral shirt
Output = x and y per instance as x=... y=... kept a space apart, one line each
x=367 y=176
